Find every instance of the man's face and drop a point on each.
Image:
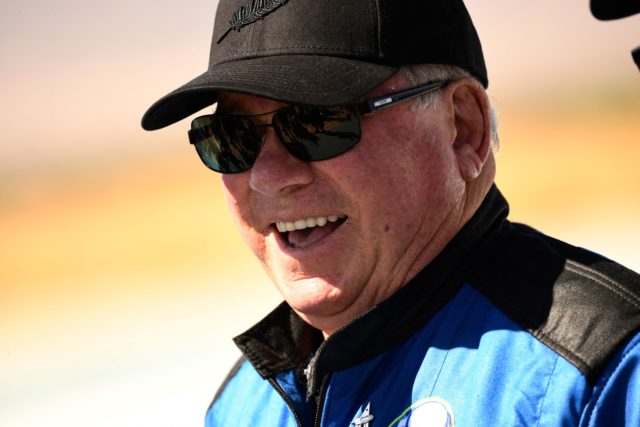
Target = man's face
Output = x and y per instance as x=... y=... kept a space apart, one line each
x=396 y=195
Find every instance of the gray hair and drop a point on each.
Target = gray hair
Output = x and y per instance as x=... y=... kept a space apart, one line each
x=424 y=73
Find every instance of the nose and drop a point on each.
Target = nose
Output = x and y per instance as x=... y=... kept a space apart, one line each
x=276 y=172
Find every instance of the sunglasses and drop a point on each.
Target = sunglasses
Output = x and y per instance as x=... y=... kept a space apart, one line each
x=231 y=143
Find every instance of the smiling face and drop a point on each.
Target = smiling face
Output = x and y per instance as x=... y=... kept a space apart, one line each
x=338 y=236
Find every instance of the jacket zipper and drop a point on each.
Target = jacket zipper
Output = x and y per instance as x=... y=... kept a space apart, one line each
x=286 y=399
x=321 y=401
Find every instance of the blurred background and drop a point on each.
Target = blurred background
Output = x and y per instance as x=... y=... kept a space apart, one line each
x=122 y=279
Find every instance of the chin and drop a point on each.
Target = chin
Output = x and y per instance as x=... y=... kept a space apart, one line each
x=314 y=297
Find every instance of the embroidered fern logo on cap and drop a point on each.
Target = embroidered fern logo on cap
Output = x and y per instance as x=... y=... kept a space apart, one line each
x=251 y=13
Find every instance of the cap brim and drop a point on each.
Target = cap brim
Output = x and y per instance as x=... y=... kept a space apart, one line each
x=303 y=79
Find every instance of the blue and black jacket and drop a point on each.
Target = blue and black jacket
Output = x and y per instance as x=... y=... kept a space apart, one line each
x=506 y=327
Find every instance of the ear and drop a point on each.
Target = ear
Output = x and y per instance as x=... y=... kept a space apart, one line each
x=472 y=120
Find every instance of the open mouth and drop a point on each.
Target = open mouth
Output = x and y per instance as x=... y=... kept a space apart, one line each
x=305 y=232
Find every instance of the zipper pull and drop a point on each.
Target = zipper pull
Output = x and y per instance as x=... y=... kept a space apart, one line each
x=307 y=372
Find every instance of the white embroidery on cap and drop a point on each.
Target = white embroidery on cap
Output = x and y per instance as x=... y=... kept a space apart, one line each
x=251 y=13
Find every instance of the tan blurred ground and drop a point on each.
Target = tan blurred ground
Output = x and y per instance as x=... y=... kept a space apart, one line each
x=566 y=170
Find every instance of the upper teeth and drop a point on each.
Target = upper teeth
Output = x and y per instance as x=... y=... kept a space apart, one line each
x=301 y=224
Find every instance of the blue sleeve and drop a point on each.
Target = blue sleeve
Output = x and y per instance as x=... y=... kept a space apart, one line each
x=616 y=398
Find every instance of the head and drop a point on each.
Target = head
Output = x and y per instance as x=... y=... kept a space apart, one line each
x=373 y=216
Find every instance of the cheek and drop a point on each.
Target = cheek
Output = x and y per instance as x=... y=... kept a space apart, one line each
x=405 y=158
x=233 y=195
x=402 y=145
x=413 y=175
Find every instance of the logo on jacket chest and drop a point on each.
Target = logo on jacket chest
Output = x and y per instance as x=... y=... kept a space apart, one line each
x=365 y=418
x=429 y=412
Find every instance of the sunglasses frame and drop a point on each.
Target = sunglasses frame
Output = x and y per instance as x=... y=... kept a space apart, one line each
x=381 y=102
x=362 y=108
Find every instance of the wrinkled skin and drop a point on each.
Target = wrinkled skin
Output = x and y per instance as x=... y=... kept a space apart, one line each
x=406 y=188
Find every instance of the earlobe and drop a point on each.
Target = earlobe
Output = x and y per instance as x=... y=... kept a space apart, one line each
x=469 y=163
x=472 y=143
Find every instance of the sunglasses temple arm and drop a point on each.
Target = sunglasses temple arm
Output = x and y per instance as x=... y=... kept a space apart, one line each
x=382 y=102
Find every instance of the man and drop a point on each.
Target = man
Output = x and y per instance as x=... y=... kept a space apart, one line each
x=355 y=142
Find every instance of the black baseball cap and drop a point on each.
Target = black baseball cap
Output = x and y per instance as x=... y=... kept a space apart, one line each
x=322 y=52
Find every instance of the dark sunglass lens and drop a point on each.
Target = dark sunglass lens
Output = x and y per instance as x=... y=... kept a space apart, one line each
x=317 y=133
x=225 y=144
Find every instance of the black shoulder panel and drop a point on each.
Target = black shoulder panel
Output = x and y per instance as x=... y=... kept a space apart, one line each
x=232 y=373
x=578 y=303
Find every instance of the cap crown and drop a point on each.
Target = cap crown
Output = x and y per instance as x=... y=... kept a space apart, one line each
x=391 y=32
x=310 y=27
